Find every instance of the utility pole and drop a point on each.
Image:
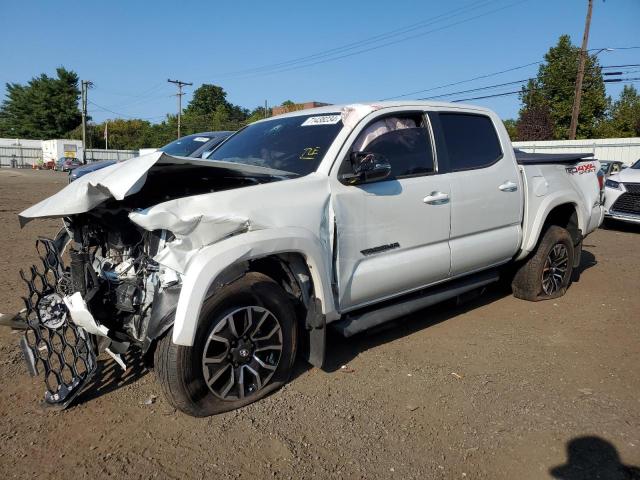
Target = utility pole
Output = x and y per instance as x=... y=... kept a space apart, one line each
x=575 y=112
x=180 y=84
x=85 y=84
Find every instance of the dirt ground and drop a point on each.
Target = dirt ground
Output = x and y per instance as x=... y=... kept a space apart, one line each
x=494 y=388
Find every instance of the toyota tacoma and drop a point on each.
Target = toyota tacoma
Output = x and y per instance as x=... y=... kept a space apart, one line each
x=222 y=271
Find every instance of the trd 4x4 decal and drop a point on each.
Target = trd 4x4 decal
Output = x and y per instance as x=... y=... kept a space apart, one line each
x=580 y=169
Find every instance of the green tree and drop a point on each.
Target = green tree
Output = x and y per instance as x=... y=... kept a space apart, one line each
x=553 y=88
x=46 y=107
x=258 y=113
x=206 y=98
x=210 y=110
x=126 y=134
x=623 y=119
x=535 y=123
x=512 y=128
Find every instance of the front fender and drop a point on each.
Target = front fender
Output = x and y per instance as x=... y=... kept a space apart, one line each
x=209 y=262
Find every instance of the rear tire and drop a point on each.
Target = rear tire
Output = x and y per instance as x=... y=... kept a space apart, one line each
x=547 y=273
x=244 y=349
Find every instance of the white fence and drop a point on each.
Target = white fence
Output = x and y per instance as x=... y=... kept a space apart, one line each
x=19 y=157
x=23 y=157
x=626 y=150
x=97 y=154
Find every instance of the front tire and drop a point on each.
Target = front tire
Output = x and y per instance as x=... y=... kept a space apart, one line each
x=547 y=273
x=244 y=348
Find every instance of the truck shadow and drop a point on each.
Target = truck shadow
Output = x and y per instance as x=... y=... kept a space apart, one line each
x=617 y=226
x=341 y=351
x=587 y=260
x=593 y=457
x=110 y=376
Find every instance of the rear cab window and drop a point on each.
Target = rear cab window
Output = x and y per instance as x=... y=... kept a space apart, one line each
x=471 y=140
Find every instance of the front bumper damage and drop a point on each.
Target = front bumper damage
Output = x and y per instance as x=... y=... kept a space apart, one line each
x=53 y=344
x=63 y=338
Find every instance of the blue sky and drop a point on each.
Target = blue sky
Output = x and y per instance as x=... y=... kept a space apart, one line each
x=130 y=48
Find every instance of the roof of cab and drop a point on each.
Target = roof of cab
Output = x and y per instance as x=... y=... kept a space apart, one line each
x=381 y=105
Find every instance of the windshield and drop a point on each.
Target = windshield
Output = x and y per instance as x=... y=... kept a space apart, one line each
x=636 y=166
x=291 y=144
x=185 y=146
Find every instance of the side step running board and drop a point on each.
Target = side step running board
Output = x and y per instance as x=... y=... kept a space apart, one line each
x=361 y=320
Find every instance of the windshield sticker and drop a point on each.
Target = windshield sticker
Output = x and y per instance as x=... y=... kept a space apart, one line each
x=322 y=120
x=310 y=153
x=201 y=139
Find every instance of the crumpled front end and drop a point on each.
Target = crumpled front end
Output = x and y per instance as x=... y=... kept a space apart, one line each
x=112 y=280
x=52 y=344
x=98 y=290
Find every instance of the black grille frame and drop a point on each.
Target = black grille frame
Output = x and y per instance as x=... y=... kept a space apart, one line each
x=629 y=201
x=632 y=188
x=65 y=352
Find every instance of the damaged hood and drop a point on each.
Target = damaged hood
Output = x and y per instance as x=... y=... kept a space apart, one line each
x=117 y=182
x=202 y=220
x=198 y=220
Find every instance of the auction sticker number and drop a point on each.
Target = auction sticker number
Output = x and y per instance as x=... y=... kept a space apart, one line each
x=321 y=120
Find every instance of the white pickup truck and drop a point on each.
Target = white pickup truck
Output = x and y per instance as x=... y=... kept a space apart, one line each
x=222 y=270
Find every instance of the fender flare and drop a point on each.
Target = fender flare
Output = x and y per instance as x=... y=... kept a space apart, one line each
x=209 y=262
x=543 y=210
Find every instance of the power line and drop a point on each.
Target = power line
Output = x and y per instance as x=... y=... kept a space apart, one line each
x=612 y=80
x=365 y=41
x=376 y=47
x=480 y=77
x=623 y=66
x=488 y=75
x=142 y=94
x=514 y=92
x=478 y=89
x=101 y=107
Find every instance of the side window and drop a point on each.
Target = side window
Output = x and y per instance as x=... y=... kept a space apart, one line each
x=472 y=141
x=615 y=168
x=403 y=141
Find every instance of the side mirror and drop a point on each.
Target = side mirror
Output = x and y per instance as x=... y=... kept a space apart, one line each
x=367 y=167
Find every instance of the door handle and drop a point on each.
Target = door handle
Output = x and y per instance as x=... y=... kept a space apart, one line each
x=436 y=198
x=508 y=187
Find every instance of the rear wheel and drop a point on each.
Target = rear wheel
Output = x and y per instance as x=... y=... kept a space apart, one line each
x=547 y=273
x=244 y=349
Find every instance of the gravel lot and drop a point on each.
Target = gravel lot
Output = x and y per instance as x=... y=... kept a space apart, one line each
x=494 y=388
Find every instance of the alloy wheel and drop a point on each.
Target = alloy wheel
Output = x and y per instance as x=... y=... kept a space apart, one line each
x=242 y=353
x=555 y=269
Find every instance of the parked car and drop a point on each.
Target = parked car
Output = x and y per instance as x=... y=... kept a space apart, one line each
x=198 y=145
x=225 y=269
x=622 y=195
x=611 y=167
x=67 y=164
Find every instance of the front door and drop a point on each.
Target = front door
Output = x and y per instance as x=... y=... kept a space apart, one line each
x=392 y=236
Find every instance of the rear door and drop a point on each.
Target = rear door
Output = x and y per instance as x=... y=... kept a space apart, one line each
x=486 y=191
